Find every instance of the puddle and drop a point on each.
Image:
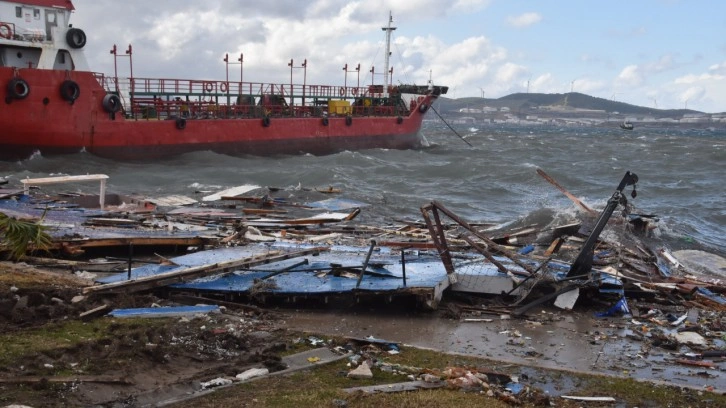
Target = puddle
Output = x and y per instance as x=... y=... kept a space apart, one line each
x=570 y=341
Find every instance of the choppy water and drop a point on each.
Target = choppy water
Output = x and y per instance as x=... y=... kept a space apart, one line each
x=681 y=175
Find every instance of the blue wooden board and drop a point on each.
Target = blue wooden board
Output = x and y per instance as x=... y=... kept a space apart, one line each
x=174 y=311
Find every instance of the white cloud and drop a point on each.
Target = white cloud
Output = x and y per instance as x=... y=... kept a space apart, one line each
x=175 y=39
x=509 y=72
x=524 y=20
x=718 y=68
x=630 y=76
x=588 y=86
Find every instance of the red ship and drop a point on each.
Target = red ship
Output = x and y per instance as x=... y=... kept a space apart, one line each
x=54 y=104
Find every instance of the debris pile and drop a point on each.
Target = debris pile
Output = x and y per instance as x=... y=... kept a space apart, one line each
x=369 y=356
x=296 y=245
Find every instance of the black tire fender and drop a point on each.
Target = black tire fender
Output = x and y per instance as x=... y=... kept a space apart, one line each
x=266 y=121
x=348 y=120
x=76 y=38
x=111 y=103
x=18 y=88
x=181 y=123
x=325 y=121
x=70 y=90
x=423 y=108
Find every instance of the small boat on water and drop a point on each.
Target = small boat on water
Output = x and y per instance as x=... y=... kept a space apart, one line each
x=626 y=125
x=55 y=104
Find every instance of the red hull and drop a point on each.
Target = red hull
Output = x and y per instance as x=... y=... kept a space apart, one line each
x=43 y=121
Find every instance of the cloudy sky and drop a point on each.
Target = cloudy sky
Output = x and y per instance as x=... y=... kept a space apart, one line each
x=668 y=54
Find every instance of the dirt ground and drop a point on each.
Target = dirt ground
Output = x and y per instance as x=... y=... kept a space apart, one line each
x=115 y=362
x=118 y=364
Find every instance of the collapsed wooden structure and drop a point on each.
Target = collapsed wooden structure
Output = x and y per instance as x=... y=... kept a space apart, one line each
x=247 y=244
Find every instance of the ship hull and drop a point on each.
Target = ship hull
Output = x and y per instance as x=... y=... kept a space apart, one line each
x=46 y=122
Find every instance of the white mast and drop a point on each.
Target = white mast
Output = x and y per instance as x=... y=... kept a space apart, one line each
x=388 y=53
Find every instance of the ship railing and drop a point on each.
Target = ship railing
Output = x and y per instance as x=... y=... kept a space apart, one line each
x=159 y=98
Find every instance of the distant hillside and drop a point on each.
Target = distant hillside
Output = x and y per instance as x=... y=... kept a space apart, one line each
x=523 y=102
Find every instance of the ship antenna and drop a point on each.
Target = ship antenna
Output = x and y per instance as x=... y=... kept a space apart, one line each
x=388 y=53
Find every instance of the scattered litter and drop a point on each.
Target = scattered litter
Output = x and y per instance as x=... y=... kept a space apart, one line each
x=252 y=373
x=589 y=399
x=217 y=382
x=363 y=371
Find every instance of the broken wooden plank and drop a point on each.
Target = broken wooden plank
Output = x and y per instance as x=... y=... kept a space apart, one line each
x=554 y=246
x=136 y=241
x=112 y=222
x=324 y=218
x=98 y=311
x=69 y=179
x=262 y=211
x=328 y=190
x=10 y=192
x=232 y=192
x=66 y=379
x=567 y=193
x=193 y=272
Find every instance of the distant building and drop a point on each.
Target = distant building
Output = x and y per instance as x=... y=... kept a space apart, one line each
x=695 y=118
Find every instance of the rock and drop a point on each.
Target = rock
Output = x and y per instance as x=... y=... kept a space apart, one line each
x=21 y=303
x=260 y=335
x=252 y=373
x=690 y=338
x=14 y=289
x=57 y=301
x=430 y=378
x=362 y=371
x=78 y=299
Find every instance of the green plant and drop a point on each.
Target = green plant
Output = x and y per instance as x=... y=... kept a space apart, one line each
x=18 y=235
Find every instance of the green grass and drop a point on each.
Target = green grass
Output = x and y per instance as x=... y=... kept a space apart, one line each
x=52 y=339
x=323 y=386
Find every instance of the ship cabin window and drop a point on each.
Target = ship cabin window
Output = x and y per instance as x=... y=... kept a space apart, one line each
x=64 y=61
x=26 y=13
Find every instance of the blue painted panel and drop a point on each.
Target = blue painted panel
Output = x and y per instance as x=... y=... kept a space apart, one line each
x=163 y=311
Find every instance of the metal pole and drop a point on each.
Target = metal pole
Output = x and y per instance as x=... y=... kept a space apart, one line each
x=365 y=264
x=131 y=69
x=290 y=64
x=115 y=67
x=241 y=67
x=131 y=257
x=345 y=80
x=305 y=79
x=358 y=69
x=226 y=63
x=403 y=265
x=388 y=31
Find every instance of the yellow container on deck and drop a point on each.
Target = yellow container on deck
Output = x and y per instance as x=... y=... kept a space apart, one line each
x=339 y=107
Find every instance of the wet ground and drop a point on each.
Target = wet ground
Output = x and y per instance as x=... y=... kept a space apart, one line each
x=553 y=339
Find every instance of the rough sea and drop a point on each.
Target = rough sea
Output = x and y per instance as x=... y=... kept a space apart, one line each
x=681 y=176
